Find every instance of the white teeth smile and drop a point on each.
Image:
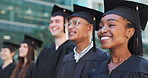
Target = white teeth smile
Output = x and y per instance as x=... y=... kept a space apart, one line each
x=71 y=33
x=54 y=29
x=104 y=38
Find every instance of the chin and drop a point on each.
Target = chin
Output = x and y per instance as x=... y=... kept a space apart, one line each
x=105 y=46
x=71 y=39
x=3 y=58
x=21 y=56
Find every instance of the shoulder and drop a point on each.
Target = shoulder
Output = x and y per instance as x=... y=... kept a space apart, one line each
x=135 y=64
x=68 y=57
x=45 y=50
x=143 y=63
x=31 y=66
x=68 y=44
x=101 y=53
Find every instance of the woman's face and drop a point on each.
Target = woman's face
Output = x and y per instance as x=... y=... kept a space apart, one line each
x=78 y=29
x=113 y=31
x=6 y=54
x=23 y=50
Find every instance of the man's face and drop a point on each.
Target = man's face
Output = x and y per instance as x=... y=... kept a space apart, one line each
x=56 y=25
x=79 y=29
x=6 y=54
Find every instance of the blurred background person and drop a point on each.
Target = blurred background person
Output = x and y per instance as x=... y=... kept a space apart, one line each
x=50 y=57
x=25 y=66
x=7 y=53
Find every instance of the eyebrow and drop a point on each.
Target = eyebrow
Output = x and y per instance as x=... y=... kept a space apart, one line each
x=110 y=20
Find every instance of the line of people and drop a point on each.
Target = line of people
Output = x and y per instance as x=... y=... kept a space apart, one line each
x=74 y=54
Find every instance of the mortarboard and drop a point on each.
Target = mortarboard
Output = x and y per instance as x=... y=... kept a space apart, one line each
x=62 y=12
x=91 y=15
x=32 y=41
x=134 y=12
x=11 y=46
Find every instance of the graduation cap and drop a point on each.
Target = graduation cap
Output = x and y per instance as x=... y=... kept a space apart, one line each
x=32 y=41
x=11 y=46
x=90 y=15
x=62 y=12
x=134 y=12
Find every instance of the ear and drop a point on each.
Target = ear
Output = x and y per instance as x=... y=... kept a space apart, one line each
x=13 y=53
x=130 y=32
x=90 y=28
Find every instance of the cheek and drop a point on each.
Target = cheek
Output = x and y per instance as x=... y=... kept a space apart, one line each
x=83 y=30
x=49 y=27
x=98 y=33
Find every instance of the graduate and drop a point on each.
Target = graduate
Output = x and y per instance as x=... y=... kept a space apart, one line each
x=85 y=55
x=120 y=32
x=7 y=53
x=25 y=66
x=50 y=57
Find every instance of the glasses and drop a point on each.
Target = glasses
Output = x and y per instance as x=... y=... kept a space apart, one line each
x=75 y=23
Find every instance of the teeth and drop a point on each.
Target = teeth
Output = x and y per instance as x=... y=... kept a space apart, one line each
x=54 y=29
x=103 y=38
x=71 y=33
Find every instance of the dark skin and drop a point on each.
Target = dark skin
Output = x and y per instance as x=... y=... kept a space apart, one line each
x=80 y=34
x=114 y=35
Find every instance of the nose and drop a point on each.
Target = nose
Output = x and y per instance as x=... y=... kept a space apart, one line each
x=70 y=26
x=104 y=29
x=51 y=24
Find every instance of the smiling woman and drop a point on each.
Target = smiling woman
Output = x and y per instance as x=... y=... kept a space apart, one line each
x=110 y=32
x=120 y=32
x=25 y=66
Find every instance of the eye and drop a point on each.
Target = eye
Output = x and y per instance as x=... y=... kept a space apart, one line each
x=57 y=21
x=51 y=21
x=69 y=23
x=111 y=25
x=100 y=27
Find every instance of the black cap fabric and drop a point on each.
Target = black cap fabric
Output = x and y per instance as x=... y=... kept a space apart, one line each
x=128 y=10
x=32 y=41
x=11 y=46
x=134 y=12
x=61 y=11
x=88 y=14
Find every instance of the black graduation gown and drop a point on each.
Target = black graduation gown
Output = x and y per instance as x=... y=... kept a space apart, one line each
x=6 y=72
x=29 y=71
x=70 y=69
x=49 y=60
x=134 y=67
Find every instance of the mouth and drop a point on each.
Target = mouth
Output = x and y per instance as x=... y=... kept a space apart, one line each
x=105 y=38
x=54 y=29
x=71 y=33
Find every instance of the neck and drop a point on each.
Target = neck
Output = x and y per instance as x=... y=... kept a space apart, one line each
x=119 y=55
x=80 y=46
x=7 y=62
x=60 y=40
x=25 y=61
